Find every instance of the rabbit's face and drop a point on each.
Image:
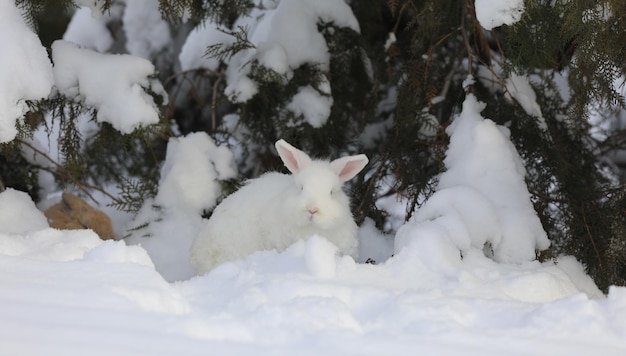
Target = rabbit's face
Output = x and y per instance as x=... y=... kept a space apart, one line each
x=319 y=200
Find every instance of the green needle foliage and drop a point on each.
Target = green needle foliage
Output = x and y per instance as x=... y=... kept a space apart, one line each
x=395 y=85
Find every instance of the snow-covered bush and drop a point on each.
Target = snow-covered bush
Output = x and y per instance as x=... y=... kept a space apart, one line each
x=25 y=70
x=191 y=183
x=481 y=202
x=126 y=82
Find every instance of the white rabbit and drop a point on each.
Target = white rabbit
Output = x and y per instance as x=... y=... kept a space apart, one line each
x=276 y=210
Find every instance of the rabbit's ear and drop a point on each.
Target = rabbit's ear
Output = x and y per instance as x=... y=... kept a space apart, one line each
x=349 y=166
x=293 y=158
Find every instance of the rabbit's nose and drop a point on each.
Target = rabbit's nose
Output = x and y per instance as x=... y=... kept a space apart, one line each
x=312 y=211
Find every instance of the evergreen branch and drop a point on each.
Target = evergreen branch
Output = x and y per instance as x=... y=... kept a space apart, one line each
x=590 y=235
x=216 y=85
x=468 y=9
x=64 y=173
x=219 y=10
x=133 y=193
x=393 y=6
x=194 y=90
x=185 y=73
x=179 y=87
x=174 y=11
x=137 y=228
x=373 y=179
x=224 y=52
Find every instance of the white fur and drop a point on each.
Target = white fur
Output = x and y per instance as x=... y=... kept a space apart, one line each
x=276 y=210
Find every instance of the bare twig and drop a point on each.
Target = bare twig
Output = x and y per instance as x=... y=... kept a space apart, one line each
x=214 y=103
x=216 y=75
x=64 y=173
x=470 y=54
x=593 y=242
x=371 y=186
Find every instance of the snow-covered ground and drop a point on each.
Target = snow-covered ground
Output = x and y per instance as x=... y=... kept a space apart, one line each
x=69 y=293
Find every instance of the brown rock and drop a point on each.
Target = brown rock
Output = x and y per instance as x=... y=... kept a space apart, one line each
x=73 y=213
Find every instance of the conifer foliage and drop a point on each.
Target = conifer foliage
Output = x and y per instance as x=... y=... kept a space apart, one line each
x=383 y=78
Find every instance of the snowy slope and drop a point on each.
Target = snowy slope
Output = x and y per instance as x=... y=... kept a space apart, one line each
x=66 y=293
x=69 y=293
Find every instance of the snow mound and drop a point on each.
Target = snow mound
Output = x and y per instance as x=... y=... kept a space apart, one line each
x=70 y=293
x=190 y=183
x=50 y=244
x=373 y=245
x=167 y=235
x=319 y=257
x=109 y=274
x=481 y=198
x=18 y=213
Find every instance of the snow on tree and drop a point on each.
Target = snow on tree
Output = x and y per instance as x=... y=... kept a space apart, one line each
x=282 y=39
x=267 y=45
x=312 y=105
x=146 y=32
x=191 y=173
x=519 y=88
x=97 y=7
x=25 y=70
x=337 y=78
x=115 y=85
x=199 y=39
x=191 y=182
x=481 y=197
x=88 y=32
x=495 y=14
